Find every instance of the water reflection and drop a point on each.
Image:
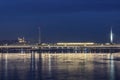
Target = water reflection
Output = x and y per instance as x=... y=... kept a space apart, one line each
x=6 y=66
x=38 y=66
x=112 y=68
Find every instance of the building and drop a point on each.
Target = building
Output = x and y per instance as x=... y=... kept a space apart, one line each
x=76 y=44
x=21 y=40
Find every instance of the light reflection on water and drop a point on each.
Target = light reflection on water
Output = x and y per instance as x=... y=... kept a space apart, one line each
x=74 y=66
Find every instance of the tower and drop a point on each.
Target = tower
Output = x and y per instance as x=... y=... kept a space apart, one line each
x=111 y=36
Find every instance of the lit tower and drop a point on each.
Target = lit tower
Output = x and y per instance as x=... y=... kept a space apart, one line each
x=111 y=36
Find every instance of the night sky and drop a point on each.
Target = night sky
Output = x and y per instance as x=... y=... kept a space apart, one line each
x=60 y=20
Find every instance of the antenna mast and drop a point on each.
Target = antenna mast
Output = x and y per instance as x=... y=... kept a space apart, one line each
x=39 y=35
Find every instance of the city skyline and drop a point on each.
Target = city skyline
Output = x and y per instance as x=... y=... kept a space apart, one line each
x=60 y=21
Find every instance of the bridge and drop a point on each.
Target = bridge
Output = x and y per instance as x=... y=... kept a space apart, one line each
x=81 y=49
x=96 y=48
x=59 y=46
x=15 y=48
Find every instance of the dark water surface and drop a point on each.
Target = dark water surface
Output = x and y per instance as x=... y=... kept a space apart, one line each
x=37 y=66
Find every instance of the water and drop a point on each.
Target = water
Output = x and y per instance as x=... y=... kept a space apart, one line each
x=36 y=66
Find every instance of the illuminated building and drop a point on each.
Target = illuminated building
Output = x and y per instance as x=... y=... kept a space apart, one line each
x=21 y=40
x=76 y=44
